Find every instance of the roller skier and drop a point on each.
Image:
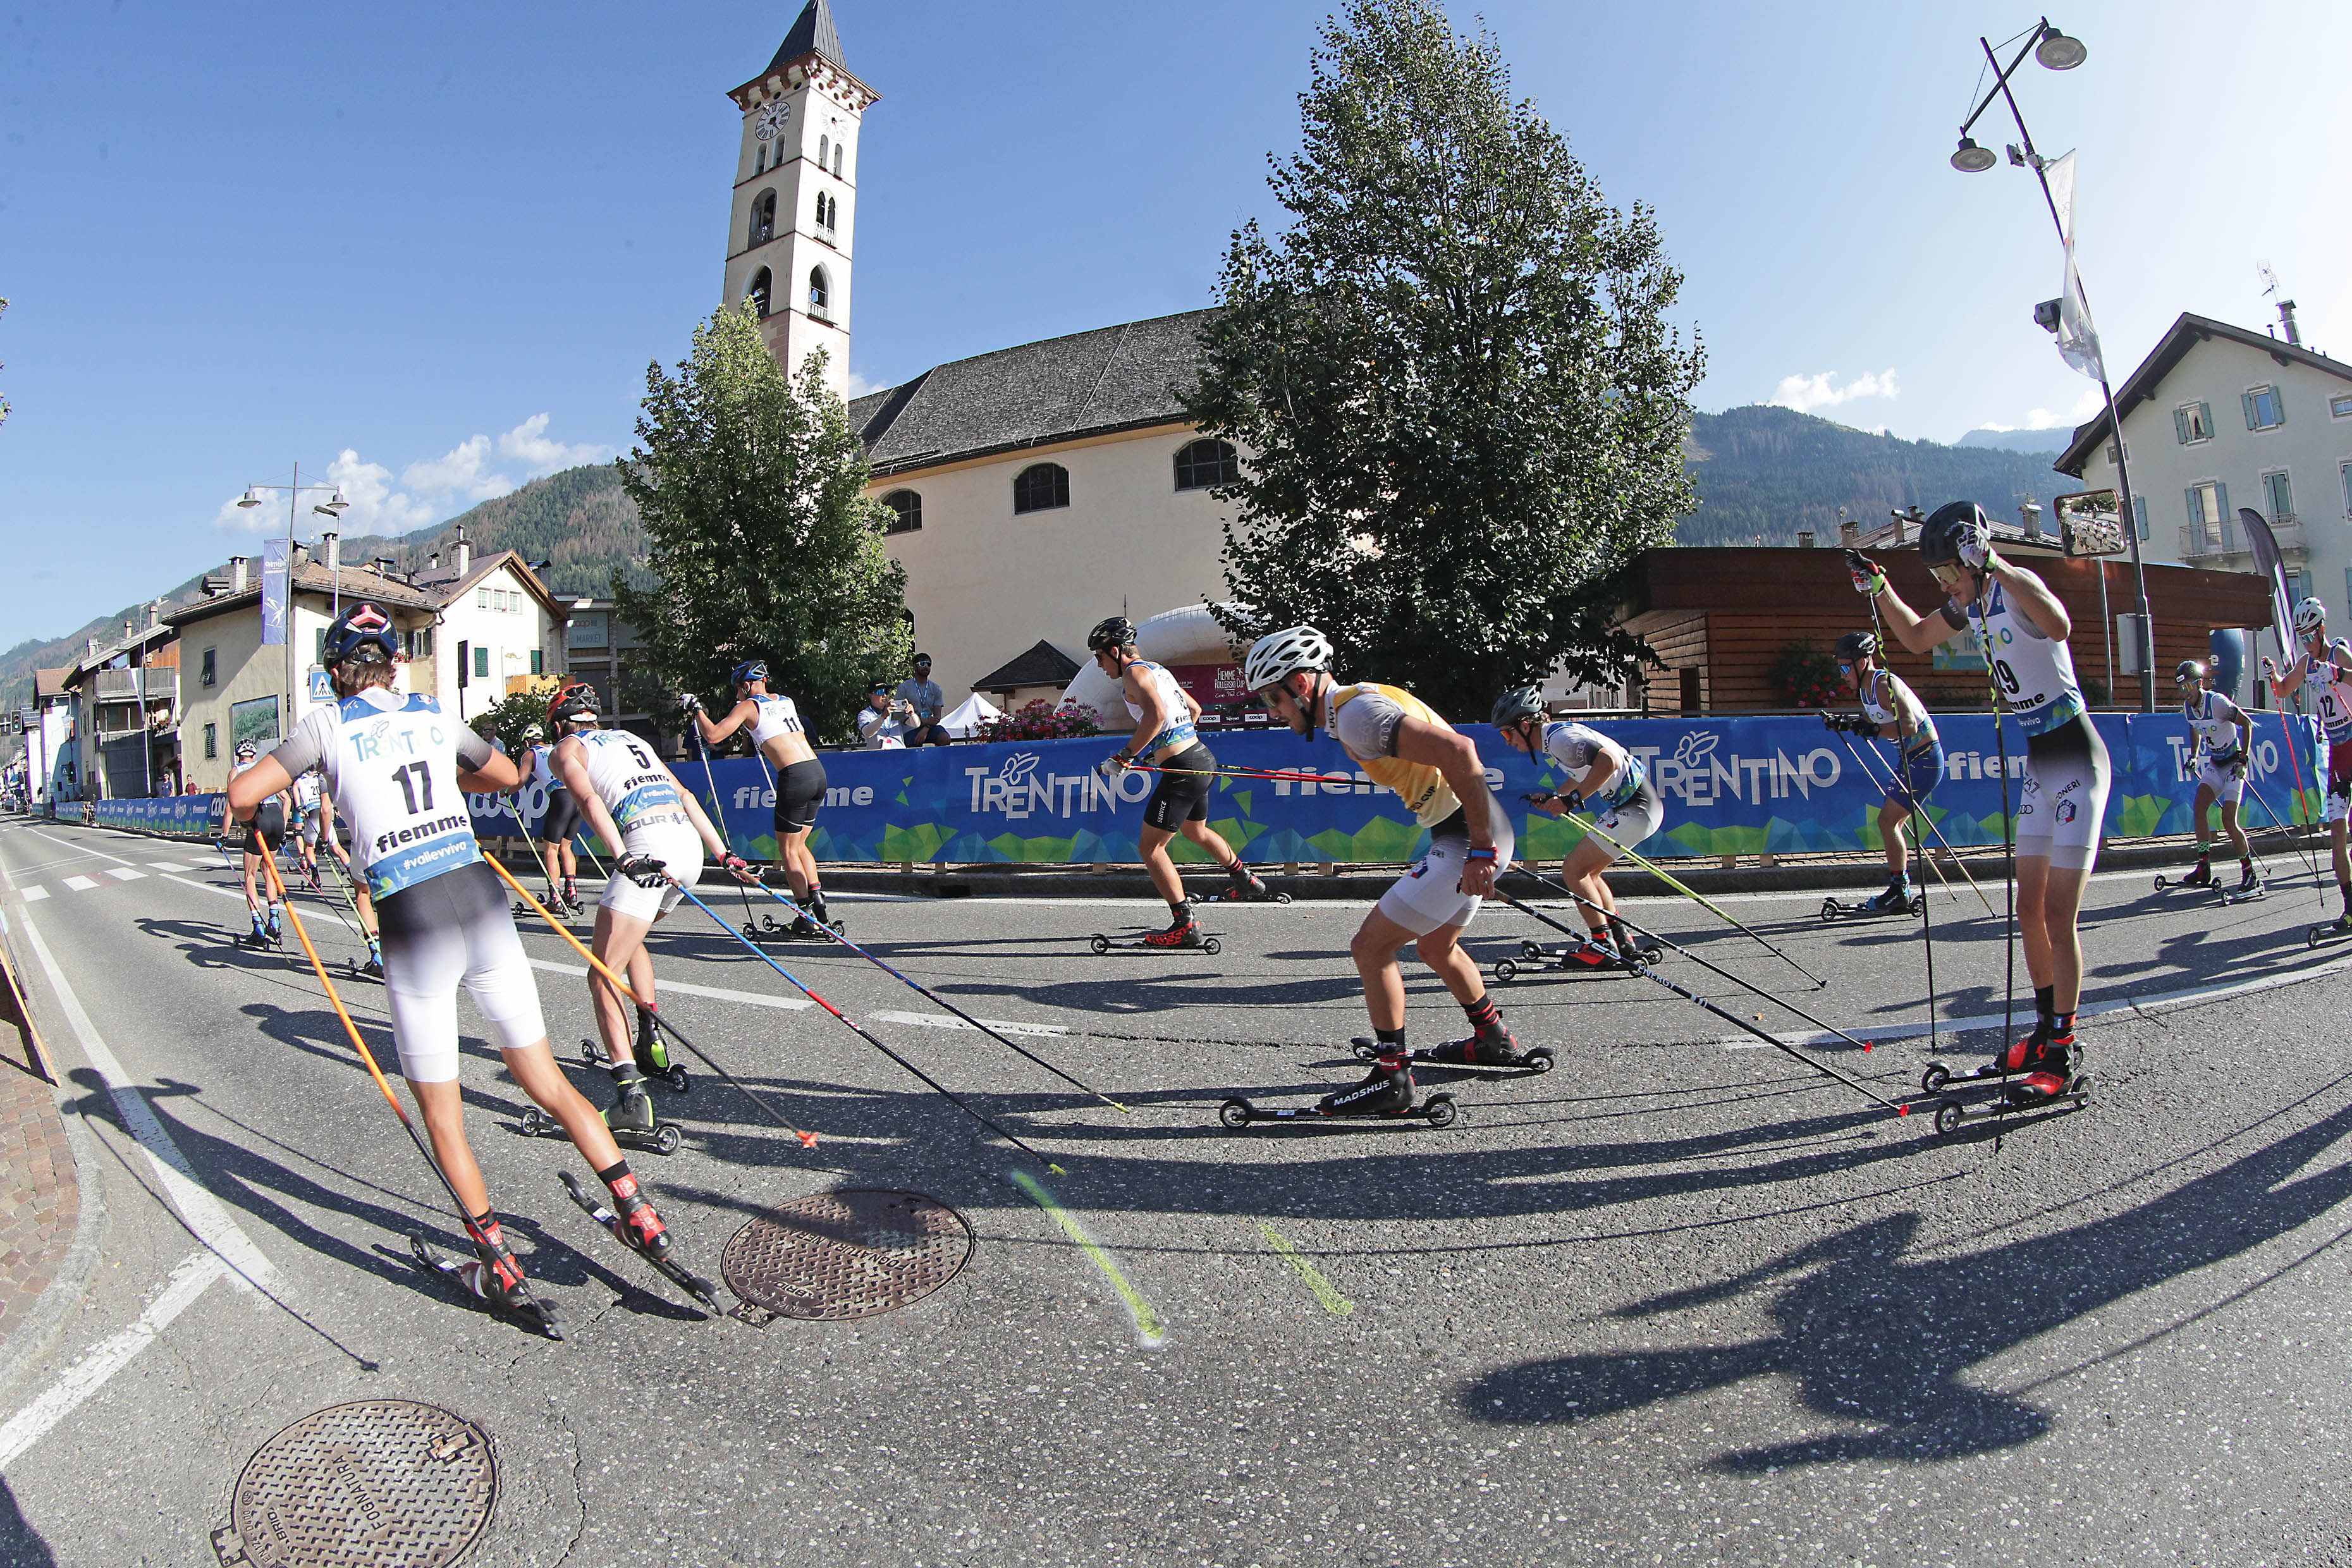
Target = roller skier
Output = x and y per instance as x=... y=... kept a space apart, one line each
x=264 y=835
x=657 y=831
x=2021 y=629
x=306 y=797
x=782 y=739
x=1891 y=710
x=556 y=826
x=320 y=821
x=1404 y=746
x=2218 y=765
x=399 y=767
x=1165 y=716
x=2326 y=667
x=1614 y=785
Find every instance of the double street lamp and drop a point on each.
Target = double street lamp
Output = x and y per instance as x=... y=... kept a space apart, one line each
x=2056 y=51
x=331 y=509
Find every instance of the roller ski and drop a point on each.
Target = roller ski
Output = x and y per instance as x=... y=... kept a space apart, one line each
x=1498 y=1056
x=367 y=968
x=492 y=1282
x=1181 y=935
x=2037 y=1073
x=265 y=937
x=2329 y=932
x=1243 y=886
x=630 y=1117
x=642 y=1233
x=1590 y=956
x=1385 y=1095
x=1899 y=898
x=652 y=1055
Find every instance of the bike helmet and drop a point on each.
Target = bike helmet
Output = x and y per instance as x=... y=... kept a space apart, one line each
x=362 y=634
x=1520 y=702
x=1110 y=632
x=247 y=750
x=2187 y=670
x=750 y=670
x=1279 y=654
x=574 y=703
x=2310 y=617
x=533 y=732
x=1857 y=644
x=1956 y=532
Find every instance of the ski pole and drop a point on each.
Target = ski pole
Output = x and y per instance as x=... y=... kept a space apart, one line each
x=925 y=991
x=711 y=782
x=546 y=1316
x=808 y=1140
x=2007 y=849
x=1759 y=991
x=954 y=1099
x=1918 y=815
x=2303 y=851
x=1655 y=871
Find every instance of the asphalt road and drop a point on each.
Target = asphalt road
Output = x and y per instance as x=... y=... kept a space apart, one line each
x=1681 y=1300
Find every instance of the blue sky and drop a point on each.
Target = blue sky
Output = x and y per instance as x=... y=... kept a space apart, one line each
x=446 y=241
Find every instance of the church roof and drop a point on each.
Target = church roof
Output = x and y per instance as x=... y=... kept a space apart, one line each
x=1088 y=383
x=813 y=33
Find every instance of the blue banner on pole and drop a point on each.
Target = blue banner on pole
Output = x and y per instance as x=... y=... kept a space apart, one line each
x=273 y=592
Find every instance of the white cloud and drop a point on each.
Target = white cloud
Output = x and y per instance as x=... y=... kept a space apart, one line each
x=1806 y=393
x=375 y=506
x=2090 y=402
x=527 y=444
x=463 y=471
x=860 y=386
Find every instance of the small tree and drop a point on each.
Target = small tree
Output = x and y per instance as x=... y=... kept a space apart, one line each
x=1462 y=407
x=762 y=540
x=514 y=713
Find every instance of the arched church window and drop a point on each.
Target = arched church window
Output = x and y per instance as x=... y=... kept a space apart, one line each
x=763 y=290
x=838 y=150
x=763 y=217
x=760 y=164
x=828 y=211
x=907 y=506
x=821 y=143
x=1205 y=462
x=1041 y=487
x=820 y=294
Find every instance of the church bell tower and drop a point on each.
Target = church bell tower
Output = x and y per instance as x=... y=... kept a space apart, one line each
x=795 y=208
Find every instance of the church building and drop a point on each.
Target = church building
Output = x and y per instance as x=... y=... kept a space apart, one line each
x=1037 y=489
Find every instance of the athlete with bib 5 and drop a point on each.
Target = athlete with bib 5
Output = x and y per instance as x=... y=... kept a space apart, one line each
x=782 y=739
x=2326 y=668
x=1404 y=746
x=1890 y=710
x=2218 y=765
x=657 y=831
x=1614 y=785
x=556 y=826
x=1165 y=716
x=2022 y=630
x=399 y=767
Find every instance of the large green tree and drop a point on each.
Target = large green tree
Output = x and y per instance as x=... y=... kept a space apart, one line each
x=1461 y=406
x=761 y=538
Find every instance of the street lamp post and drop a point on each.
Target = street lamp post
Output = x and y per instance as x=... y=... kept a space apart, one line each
x=331 y=508
x=2056 y=51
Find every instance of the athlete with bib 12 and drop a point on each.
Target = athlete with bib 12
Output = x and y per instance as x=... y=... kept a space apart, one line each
x=2022 y=630
x=399 y=768
x=2326 y=666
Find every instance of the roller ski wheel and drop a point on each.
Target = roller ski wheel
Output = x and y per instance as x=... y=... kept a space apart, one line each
x=669 y=1269
x=1437 y=1111
x=665 y=1138
x=1102 y=944
x=364 y=969
x=1555 y=961
x=2332 y=930
x=1239 y=896
x=1952 y=1113
x=1531 y=1062
x=1871 y=908
x=528 y=1312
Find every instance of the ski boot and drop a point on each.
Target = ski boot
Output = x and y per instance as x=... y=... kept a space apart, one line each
x=2201 y=875
x=2051 y=1074
x=1387 y=1090
x=1595 y=952
x=1489 y=1051
x=2250 y=881
x=637 y=1227
x=1896 y=901
x=630 y=1114
x=1182 y=931
x=571 y=896
x=493 y=1278
x=258 y=938
x=273 y=930
x=2335 y=929
x=653 y=1056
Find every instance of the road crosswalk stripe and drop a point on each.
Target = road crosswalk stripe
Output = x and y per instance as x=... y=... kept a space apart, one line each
x=80 y=884
x=125 y=873
x=34 y=895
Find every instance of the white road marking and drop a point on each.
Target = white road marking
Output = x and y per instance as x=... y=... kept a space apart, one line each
x=125 y=873
x=201 y=1212
x=35 y=894
x=787 y=1003
x=80 y=884
x=943 y=1021
x=87 y=1377
x=171 y=866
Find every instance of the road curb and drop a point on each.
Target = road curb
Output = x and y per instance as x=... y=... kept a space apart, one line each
x=28 y=1342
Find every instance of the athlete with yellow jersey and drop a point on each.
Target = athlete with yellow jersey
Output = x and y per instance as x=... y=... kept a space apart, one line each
x=1434 y=769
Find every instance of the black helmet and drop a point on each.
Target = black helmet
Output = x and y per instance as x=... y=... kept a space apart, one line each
x=576 y=701
x=2187 y=670
x=246 y=749
x=1112 y=631
x=750 y=669
x=362 y=633
x=1519 y=703
x=1857 y=644
x=1953 y=531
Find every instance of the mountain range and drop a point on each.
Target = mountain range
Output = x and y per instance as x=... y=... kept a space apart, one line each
x=1763 y=473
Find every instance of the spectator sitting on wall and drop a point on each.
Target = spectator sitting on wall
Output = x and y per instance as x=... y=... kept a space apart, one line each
x=884 y=721
x=922 y=694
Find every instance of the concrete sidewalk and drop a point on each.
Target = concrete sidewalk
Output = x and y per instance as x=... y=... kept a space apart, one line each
x=40 y=1189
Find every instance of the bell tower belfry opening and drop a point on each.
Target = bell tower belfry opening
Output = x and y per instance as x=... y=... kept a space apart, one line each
x=796 y=207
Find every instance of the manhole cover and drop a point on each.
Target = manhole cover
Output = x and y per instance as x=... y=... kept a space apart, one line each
x=385 y=1483
x=846 y=1255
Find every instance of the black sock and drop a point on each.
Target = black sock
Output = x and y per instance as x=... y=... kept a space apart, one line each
x=2061 y=1023
x=1391 y=1041
x=614 y=1174
x=624 y=1074
x=2046 y=1002
x=1482 y=1014
x=1179 y=911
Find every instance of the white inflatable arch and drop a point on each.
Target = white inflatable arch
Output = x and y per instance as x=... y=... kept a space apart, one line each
x=1186 y=634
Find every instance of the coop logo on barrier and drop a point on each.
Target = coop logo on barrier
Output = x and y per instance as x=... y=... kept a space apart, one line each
x=1700 y=772
x=1019 y=791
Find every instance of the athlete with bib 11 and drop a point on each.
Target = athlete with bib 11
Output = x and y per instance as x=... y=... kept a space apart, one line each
x=399 y=768
x=783 y=739
x=1404 y=746
x=2022 y=630
x=657 y=831
x=2326 y=668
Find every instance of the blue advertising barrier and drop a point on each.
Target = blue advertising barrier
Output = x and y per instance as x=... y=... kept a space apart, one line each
x=172 y=816
x=1731 y=787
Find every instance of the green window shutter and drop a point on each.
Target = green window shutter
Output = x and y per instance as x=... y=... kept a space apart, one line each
x=2278 y=404
x=2205 y=412
x=2246 y=401
x=2180 y=424
x=2221 y=505
x=2196 y=511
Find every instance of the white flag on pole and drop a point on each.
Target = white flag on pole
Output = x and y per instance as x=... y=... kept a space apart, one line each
x=2078 y=339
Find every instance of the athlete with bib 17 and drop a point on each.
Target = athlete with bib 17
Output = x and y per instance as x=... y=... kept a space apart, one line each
x=2021 y=629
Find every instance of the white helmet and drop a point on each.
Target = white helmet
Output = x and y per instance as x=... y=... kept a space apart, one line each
x=1285 y=653
x=2310 y=617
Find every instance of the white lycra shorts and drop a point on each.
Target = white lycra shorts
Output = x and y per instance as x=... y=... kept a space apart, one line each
x=1430 y=894
x=671 y=840
x=446 y=930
